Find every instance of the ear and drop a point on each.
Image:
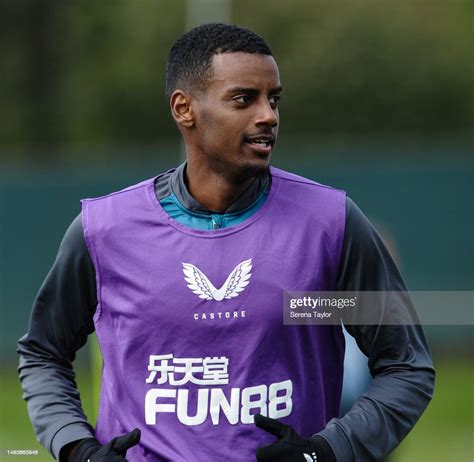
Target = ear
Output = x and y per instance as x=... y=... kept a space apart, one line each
x=181 y=110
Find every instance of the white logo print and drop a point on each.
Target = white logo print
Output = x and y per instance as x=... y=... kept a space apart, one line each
x=308 y=458
x=200 y=285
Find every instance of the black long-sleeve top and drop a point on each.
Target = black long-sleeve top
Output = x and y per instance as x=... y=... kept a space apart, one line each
x=61 y=320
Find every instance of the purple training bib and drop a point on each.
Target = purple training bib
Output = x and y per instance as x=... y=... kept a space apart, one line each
x=190 y=322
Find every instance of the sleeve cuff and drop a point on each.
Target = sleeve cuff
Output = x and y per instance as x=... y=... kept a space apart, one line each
x=324 y=449
x=71 y=432
x=338 y=442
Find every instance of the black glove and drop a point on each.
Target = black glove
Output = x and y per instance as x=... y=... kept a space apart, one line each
x=90 y=450
x=291 y=447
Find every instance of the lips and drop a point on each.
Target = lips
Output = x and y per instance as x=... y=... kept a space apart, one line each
x=261 y=140
x=261 y=143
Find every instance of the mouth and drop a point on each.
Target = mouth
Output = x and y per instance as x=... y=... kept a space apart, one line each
x=262 y=144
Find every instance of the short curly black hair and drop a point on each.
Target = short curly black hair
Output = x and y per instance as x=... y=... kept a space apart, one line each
x=189 y=61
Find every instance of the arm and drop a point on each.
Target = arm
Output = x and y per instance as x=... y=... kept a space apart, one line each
x=399 y=358
x=60 y=321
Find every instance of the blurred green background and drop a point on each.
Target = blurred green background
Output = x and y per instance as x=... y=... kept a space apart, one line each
x=378 y=100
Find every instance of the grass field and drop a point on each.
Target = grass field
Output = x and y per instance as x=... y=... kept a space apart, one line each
x=445 y=433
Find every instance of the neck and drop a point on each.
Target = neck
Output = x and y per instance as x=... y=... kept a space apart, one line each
x=211 y=189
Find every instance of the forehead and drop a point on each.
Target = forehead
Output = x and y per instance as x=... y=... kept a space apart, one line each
x=246 y=70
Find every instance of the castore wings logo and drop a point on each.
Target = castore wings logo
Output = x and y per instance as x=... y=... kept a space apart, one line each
x=235 y=283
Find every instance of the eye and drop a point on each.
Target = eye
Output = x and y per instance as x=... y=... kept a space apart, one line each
x=242 y=99
x=275 y=100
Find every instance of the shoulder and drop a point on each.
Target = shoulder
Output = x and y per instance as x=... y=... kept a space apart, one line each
x=307 y=197
x=297 y=180
x=124 y=205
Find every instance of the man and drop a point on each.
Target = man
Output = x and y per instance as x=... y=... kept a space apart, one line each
x=182 y=278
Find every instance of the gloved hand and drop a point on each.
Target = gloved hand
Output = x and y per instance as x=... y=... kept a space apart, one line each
x=291 y=447
x=90 y=450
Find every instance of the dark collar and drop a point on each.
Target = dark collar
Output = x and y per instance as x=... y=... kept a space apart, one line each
x=178 y=187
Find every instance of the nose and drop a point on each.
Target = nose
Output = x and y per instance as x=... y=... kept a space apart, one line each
x=267 y=115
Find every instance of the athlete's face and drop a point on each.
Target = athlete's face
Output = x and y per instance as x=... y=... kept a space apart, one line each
x=236 y=118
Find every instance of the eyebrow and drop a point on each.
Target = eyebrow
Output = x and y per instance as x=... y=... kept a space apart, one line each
x=278 y=89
